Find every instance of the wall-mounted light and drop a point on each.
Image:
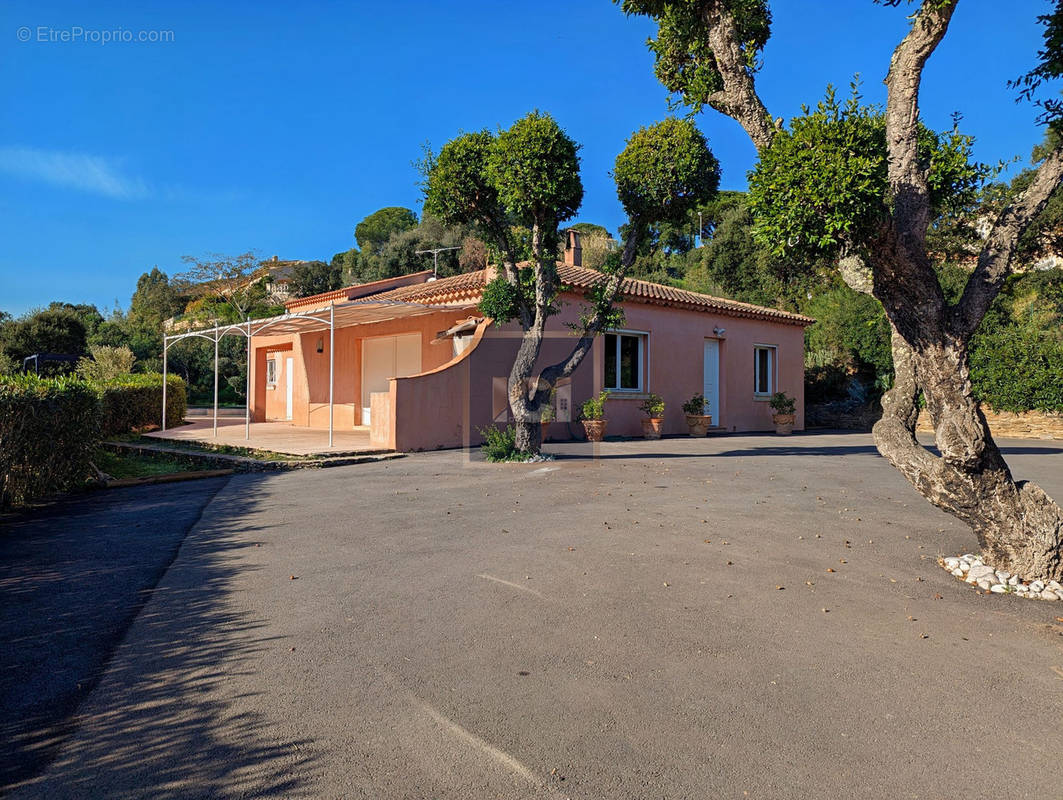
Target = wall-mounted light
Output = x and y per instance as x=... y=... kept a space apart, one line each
x=321 y=344
x=718 y=331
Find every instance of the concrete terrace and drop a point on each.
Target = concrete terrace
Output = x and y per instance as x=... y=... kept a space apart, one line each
x=279 y=437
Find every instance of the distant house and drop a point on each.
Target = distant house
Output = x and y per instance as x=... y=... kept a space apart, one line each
x=417 y=365
x=277 y=278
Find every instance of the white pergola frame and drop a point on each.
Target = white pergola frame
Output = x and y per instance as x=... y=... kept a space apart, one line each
x=319 y=319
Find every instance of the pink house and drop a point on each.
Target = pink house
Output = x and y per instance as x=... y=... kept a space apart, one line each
x=411 y=360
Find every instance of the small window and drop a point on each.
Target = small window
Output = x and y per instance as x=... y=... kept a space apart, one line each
x=271 y=372
x=763 y=370
x=624 y=360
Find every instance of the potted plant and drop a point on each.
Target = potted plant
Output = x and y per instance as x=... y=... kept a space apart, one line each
x=547 y=414
x=699 y=420
x=593 y=417
x=653 y=422
x=784 y=406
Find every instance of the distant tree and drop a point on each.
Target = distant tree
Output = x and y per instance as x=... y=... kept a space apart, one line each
x=585 y=229
x=89 y=315
x=373 y=232
x=45 y=331
x=315 y=277
x=228 y=288
x=155 y=299
x=528 y=177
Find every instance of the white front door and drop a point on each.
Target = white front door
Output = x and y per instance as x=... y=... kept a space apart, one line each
x=384 y=358
x=711 y=388
x=289 y=383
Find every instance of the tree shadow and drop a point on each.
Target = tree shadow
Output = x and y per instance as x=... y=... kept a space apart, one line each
x=84 y=575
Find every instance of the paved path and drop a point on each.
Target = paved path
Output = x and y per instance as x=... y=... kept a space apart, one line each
x=73 y=575
x=460 y=630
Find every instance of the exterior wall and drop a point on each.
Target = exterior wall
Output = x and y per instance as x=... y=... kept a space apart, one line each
x=445 y=408
x=310 y=406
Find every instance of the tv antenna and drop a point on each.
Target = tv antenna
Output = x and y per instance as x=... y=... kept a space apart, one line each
x=435 y=257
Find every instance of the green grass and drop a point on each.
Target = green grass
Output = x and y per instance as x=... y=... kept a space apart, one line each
x=129 y=465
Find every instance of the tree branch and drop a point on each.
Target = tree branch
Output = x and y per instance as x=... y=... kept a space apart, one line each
x=738 y=99
x=994 y=260
x=907 y=175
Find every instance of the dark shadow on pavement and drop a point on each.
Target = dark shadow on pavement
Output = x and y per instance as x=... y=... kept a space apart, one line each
x=73 y=581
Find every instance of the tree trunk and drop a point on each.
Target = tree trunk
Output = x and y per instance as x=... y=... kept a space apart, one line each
x=529 y=435
x=1019 y=527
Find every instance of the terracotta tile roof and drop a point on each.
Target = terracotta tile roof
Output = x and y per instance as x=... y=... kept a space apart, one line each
x=634 y=290
x=469 y=286
x=579 y=279
x=358 y=290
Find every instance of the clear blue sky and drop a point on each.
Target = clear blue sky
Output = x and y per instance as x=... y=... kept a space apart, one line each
x=276 y=127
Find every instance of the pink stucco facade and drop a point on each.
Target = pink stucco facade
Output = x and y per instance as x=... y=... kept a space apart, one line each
x=450 y=397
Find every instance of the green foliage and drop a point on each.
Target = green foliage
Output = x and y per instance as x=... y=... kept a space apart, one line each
x=825 y=383
x=782 y=403
x=822 y=186
x=684 y=60
x=653 y=406
x=594 y=408
x=456 y=185
x=49 y=429
x=45 y=331
x=851 y=329
x=106 y=363
x=315 y=277
x=534 y=168
x=665 y=170
x=135 y=401
x=500 y=444
x=1018 y=369
x=1049 y=67
x=373 y=232
x=154 y=300
x=500 y=300
x=696 y=406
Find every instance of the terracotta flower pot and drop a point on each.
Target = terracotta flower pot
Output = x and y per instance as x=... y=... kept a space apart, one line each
x=652 y=427
x=699 y=424
x=784 y=424
x=595 y=429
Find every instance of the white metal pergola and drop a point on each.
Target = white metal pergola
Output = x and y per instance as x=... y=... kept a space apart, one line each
x=320 y=319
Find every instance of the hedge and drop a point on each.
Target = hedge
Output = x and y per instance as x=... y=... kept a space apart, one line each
x=1018 y=370
x=49 y=430
x=135 y=401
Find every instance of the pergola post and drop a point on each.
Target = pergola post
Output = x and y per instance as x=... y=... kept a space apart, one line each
x=165 y=348
x=217 y=338
x=331 y=363
x=247 y=395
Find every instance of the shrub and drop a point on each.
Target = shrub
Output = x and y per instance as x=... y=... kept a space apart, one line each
x=653 y=406
x=594 y=408
x=782 y=403
x=106 y=363
x=696 y=406
x=135 y=401
x=49 y=429
x=1018 y=370
x=826 y=383
x=500 y=444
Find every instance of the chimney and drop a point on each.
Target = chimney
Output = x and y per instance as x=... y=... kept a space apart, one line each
x=573 y=251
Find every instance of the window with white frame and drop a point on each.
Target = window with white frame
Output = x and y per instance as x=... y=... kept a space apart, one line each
x=271 y=372
x=763 y=369
x=625 y=361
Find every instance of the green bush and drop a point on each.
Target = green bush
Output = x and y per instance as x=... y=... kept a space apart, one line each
x=1016 y=369
x=135 y=401
x=500 y=444
x=49 y=429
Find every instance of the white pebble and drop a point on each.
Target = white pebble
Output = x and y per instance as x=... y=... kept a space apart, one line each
x=958 y=572
x=1048 y=594
x=998 y=588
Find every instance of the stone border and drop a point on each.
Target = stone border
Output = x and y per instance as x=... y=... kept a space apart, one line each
x=971 y=569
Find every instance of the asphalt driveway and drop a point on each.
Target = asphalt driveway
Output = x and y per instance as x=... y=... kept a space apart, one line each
x=744 y=616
